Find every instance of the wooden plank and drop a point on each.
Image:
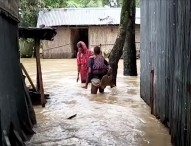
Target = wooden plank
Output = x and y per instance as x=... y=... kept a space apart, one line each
x=18 y=138
x=28 y=77
x=6 y=141
x=39 y=72
x=30 y=107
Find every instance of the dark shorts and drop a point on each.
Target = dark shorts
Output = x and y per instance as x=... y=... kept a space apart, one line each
x=98 y=73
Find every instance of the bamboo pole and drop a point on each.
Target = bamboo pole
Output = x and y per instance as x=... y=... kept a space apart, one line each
x=39 y=72
x=28 y=77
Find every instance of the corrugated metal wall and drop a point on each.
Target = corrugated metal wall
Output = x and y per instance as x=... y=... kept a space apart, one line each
x=13 y=104
x=166 y=64
x=11 y=7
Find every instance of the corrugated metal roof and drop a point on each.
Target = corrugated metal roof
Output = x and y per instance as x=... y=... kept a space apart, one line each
x=82 y=16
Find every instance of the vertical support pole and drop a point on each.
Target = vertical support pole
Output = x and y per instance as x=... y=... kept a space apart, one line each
x=152 y=105
x=28 y=77
x=39 y=72
x=1 y=136
x=37 y=77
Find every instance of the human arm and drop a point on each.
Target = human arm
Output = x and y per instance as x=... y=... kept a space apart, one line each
x=87 y=79
x=90 y=64
x=78 y=67
x=109 y=67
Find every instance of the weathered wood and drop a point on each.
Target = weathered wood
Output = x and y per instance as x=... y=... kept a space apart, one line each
x=46 y=33
x=6 y=141
x=18 y=138
x=39 y=72
x=28 y=77
x=26 y=128
x=14 y=137
x=24 y=136
x=37 y=76
x=30 y=107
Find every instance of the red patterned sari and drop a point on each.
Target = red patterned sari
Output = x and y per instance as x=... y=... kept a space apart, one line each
x=82 y=61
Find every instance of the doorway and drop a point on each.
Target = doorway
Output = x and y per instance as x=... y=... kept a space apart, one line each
x=78 y=34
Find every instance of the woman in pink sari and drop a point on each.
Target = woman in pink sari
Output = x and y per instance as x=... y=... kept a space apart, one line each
x=82 y=61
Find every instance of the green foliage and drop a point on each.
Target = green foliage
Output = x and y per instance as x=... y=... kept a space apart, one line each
x=138 y=3
x=29 y=10
x=26 y=48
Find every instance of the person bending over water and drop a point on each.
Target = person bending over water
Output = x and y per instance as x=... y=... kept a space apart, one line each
x=99 y=72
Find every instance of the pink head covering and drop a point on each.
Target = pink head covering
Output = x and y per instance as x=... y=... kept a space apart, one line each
x=84 y=47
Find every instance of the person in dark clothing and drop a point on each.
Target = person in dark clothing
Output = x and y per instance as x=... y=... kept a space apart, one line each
x=98 y=67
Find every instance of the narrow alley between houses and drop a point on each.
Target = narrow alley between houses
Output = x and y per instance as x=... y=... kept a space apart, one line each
x=118 y=117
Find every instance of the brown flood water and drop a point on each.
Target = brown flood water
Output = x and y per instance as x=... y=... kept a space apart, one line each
x=118 y=117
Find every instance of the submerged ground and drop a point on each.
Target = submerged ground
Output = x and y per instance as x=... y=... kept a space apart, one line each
x=118 y=117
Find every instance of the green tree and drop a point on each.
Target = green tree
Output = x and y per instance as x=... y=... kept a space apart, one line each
x=28 y=12
x=29 y=8
x=138 y=3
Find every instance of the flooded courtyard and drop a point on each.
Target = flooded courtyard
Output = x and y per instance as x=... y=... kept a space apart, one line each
x=117 y=117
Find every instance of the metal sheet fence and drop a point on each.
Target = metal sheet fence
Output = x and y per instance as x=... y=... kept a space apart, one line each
x=10 y=6
x=166 y=63
x=13 y=103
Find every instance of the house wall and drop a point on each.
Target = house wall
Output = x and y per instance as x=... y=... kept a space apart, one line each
x=165 y=64
x=14 y=110
x=62 y=46
x=106 y=36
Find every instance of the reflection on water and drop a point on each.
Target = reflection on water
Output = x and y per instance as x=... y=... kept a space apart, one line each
x=118 y=117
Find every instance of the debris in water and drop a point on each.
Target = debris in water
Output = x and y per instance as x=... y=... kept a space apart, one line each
x=71 y=117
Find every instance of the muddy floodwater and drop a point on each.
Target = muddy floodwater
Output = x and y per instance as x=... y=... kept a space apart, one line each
x=117 y=118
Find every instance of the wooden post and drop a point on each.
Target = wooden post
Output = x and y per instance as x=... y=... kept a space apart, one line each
x=1 y=141
x=6 y=139
x=28 y=77
x=39 y=72
x=152 y=104
x=37 y=78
